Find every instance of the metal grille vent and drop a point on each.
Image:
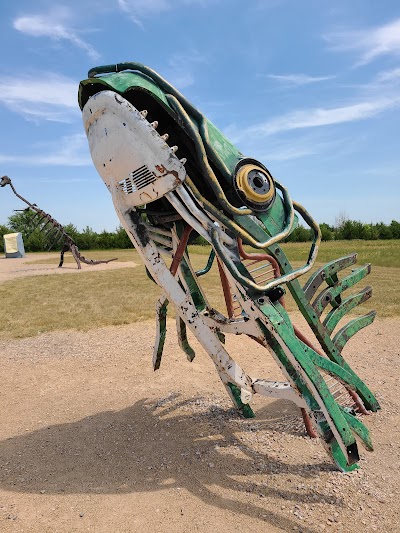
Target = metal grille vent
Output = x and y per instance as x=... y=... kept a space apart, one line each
x=137 y=179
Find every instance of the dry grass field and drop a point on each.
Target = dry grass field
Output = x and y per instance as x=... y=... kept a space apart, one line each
x=111 y=295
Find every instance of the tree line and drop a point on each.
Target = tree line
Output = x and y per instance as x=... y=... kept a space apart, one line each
x=348 y=230
x=36 y=240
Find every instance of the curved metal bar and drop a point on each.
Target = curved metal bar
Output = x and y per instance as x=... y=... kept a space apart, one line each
x=334 y=316
x=208 y=266
x=325 y=272
x=203 y=159
x=232 y=225
x=166 y=86
x=316 y=229
x=188 y=217
x=201 y=217
x=277 y=281
x=350 y=329
x=259 y=257
x=330 y=295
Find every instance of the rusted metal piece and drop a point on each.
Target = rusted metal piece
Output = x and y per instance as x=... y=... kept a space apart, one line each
x=226 y=290
x=259 y=257
x=180 y=250
x=60 y=234
x=308 y=424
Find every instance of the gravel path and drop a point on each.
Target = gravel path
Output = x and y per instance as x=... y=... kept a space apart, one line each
x=17 y=268
x=91 y=439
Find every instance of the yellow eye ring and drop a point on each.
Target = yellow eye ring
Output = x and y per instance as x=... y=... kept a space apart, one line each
x=255 y=183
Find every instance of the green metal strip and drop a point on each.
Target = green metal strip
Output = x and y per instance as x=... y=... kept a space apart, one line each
x=341 y=460
x=350 y=329
x=291 y=371
x=332 y=280
x=244 y=408
x=183 y=340
x=366 y=395
x=330 y=294
x=329 y=366
x=208 y=266
x=345 y=463
x=326 y=272
x=121 y=83
x=333 y=317
x=194 y=289
x=358 y=427
x=162 y=329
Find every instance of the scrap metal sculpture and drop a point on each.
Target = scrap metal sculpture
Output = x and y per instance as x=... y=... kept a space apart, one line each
x=55 y=232
x=229 y=199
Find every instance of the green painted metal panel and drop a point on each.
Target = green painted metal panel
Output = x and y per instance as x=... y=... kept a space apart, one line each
x=122 y=82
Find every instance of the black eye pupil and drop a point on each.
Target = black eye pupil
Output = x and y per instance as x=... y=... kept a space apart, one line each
x=258 y=181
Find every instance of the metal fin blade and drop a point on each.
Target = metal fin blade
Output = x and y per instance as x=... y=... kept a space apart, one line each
x=183 y=340
x=325 y=272
x=161 y=330
x=350 y=329
x=333 y=317
x=359 y=429
x=331 y=295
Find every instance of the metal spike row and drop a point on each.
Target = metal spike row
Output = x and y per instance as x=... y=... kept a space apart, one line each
x=47 y=223
x=155 y=124
x=55 y=241
x=41 y=219
x=144 y=113
x=47 y=233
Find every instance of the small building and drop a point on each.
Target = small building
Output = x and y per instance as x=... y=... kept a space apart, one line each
x=14 y=245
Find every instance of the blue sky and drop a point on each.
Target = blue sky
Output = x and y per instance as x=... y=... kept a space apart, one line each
x=309 y=88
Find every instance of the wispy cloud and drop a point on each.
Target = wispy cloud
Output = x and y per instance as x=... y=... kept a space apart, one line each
x=285 y=151
x=181 y=67
x=389 y=75
x=141 y=9
x=298 y=79
x=45 y=96
x=71 y=151
x=370 y=43
x=310 y=118
x=284 y=148
x=55 y=25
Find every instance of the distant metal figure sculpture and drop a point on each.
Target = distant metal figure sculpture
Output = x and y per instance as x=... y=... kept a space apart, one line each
x=55 y=233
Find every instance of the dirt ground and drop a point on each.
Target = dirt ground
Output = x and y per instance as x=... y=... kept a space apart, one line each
x=91 y=439
x=17 y=268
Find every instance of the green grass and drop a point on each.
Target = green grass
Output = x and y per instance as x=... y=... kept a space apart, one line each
x=37 y=304
x=378 y=253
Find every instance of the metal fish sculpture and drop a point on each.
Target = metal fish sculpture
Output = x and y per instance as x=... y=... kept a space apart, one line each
x=173 y=175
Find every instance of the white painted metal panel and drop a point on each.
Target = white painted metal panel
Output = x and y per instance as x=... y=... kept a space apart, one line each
x=127 y=150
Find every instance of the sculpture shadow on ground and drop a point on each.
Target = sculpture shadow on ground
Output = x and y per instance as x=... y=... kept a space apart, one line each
x=151 y=447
